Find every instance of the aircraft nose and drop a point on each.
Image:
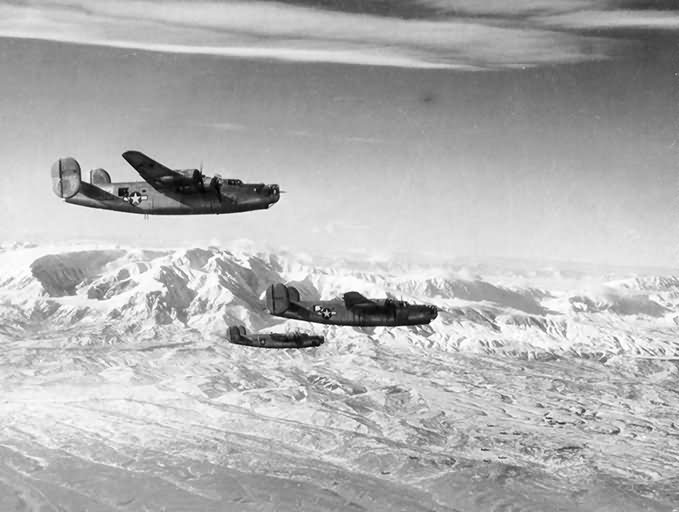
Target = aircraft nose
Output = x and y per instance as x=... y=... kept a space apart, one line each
x=423 y=313
x=272 y=191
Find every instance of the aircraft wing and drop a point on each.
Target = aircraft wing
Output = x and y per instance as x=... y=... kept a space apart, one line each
x=156 y=174
x=352 y=299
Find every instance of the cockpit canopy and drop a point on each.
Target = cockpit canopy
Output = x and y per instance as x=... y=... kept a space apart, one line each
x=395 y=303
x=196 y=175
x=188 y=173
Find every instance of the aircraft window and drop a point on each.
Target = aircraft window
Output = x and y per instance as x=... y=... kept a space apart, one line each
x=143 y=191
x=123 y=192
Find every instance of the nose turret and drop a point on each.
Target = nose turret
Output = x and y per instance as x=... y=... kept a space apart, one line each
x=271 y=192
x=422 y=314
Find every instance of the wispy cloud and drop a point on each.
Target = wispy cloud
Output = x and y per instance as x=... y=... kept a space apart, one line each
x=300 y=133
x=237 y=127
x=334 y=227
x=357 y=139
x=621 y=19
x=503 y=8
x=226 y=127
x=366 y=140
x=452 y=34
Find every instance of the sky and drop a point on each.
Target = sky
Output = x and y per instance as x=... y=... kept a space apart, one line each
x=531 y=129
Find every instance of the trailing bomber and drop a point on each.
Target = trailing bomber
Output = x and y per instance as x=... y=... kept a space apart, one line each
x=352 y=309
x=238 y=336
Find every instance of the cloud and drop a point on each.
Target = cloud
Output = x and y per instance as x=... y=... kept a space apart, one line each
x=621 y=19
x=337 y=138
x=300 y=133
x=501 y=8
x=334 y=227
x=365 y=140
x=464 y=35
x=227 y=127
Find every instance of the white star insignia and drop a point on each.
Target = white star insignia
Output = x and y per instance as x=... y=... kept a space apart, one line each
x=136 y=198
x=326 y=313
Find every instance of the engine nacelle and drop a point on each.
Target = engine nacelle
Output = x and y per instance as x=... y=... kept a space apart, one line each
x=66 y=177
x=99 y=177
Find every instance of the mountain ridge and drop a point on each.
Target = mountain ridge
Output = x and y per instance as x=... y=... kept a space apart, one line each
x=201 y=291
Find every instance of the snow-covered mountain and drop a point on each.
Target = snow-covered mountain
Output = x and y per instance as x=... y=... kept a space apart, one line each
x=134 y=294
x=536 y=388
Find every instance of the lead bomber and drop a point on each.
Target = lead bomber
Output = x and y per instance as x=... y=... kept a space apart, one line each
x=163 y=192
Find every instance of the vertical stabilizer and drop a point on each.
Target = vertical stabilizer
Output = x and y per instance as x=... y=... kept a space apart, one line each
x=234 y=333
x=99 y=177
x=277 y=299
x=66 y=177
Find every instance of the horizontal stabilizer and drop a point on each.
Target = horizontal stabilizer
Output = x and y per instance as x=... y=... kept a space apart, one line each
x=94 y=192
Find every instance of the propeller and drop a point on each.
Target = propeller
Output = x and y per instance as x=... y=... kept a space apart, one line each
x=216 y=183
x=199 y=179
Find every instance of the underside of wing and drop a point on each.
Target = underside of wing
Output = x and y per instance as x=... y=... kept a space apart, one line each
x=353 y=299
x=156 y=174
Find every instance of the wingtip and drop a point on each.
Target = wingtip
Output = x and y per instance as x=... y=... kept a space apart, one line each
x=135 y=158
x=130 y=153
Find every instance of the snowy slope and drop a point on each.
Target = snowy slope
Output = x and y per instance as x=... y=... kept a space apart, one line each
x=125 y=292
x=534 y=389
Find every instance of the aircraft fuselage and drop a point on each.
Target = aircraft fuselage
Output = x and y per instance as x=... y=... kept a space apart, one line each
x=140 y=197
x=335 y=313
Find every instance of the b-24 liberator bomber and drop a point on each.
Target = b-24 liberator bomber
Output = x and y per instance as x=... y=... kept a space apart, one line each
x=163 y=192
x=238 y=336
x=352 y=309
